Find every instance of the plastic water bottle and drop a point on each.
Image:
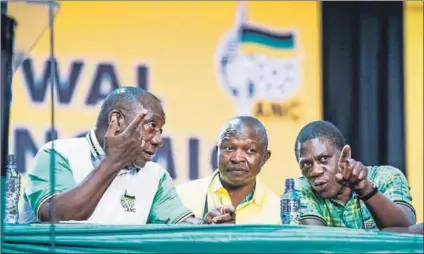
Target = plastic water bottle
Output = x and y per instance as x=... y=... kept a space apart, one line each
x=13 y=183
x=289 y=204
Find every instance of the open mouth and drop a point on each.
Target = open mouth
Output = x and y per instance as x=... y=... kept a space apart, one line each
x=320 y=186
x=149 y=153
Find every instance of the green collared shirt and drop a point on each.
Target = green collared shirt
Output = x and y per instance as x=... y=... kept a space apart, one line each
x=390 y=182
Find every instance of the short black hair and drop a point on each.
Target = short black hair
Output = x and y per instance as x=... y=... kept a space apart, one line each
x=240 y=122
x=125 y=98
x=317 y=129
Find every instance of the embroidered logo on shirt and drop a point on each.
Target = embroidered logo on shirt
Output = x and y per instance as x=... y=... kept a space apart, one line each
x=370 y=224
x=128 y=202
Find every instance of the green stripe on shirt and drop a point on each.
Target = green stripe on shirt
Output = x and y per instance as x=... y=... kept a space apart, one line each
x=38 y=187
x=167 y=207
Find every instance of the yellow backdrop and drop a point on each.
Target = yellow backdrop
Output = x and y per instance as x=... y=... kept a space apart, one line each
x=177 y=51
x=413 y=34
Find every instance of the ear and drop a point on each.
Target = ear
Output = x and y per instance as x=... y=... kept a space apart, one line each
x=267 y=155
x=118 y=115
x=215 y=157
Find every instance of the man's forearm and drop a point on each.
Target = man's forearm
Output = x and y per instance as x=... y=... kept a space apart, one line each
x=414 y=229
x=79 y=202
x=386 y=213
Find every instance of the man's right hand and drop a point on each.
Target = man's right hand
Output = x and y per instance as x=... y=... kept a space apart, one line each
x=124 y=148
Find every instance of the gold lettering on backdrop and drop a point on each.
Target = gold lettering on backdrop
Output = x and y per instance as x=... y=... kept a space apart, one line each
x=291 y=111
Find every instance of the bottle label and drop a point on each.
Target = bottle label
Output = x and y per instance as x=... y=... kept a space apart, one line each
x=292 y=218
x=288 y=206
x=290 y=211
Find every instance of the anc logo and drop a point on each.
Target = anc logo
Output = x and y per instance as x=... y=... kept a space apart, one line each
x=260 y=68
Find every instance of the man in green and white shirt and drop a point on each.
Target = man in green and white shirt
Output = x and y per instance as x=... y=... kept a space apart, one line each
x=115 y=185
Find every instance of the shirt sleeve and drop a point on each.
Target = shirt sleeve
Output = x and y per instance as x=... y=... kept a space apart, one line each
x=309 y=204
x=393 y=184
x=38 y=187
x=167 y=208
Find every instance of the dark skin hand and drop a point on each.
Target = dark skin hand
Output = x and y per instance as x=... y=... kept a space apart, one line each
x=79 y=202
x=222 y=215
x=352 y=177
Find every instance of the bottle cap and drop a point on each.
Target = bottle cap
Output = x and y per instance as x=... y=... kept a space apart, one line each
x=289 y=183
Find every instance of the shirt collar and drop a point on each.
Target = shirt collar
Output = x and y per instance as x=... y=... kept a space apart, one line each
x=259 y=192
x=352 y=198
x=96 y=150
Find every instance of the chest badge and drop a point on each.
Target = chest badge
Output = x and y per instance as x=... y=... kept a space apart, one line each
x=128 y=202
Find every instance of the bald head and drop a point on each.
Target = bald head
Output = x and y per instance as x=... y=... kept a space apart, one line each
x=245 y=125
x=128 y=99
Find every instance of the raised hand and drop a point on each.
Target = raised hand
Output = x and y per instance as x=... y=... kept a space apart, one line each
x=352 y=174
x=221 y=215
x=124 y=148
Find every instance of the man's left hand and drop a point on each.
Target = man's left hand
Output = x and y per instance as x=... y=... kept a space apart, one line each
x=221 y=215
x=353 y=174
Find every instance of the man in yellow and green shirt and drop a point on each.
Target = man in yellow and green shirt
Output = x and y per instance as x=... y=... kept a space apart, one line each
x=242 y=151
x=338 y=191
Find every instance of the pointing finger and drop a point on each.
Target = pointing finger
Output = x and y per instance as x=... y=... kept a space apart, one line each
x=132 y=127
x=355 y=172
x=347 y=172
x=344 y=156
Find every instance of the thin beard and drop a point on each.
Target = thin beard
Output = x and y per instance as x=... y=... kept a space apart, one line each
x=229 y=186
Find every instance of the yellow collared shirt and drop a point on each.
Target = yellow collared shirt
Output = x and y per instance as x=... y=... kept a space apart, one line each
x=263 y=208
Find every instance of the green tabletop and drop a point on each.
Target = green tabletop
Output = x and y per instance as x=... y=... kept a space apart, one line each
x=86 y=238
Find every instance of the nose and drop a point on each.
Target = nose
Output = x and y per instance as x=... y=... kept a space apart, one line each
x=316 y=171
x=237 y=157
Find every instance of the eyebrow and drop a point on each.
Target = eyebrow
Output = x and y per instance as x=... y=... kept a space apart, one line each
x=322 y=154
x=302 y=160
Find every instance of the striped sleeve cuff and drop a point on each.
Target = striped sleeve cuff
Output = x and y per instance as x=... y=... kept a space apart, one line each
x=401 y=202
x=314 y=217
x=183 y=217
x=44 y=200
